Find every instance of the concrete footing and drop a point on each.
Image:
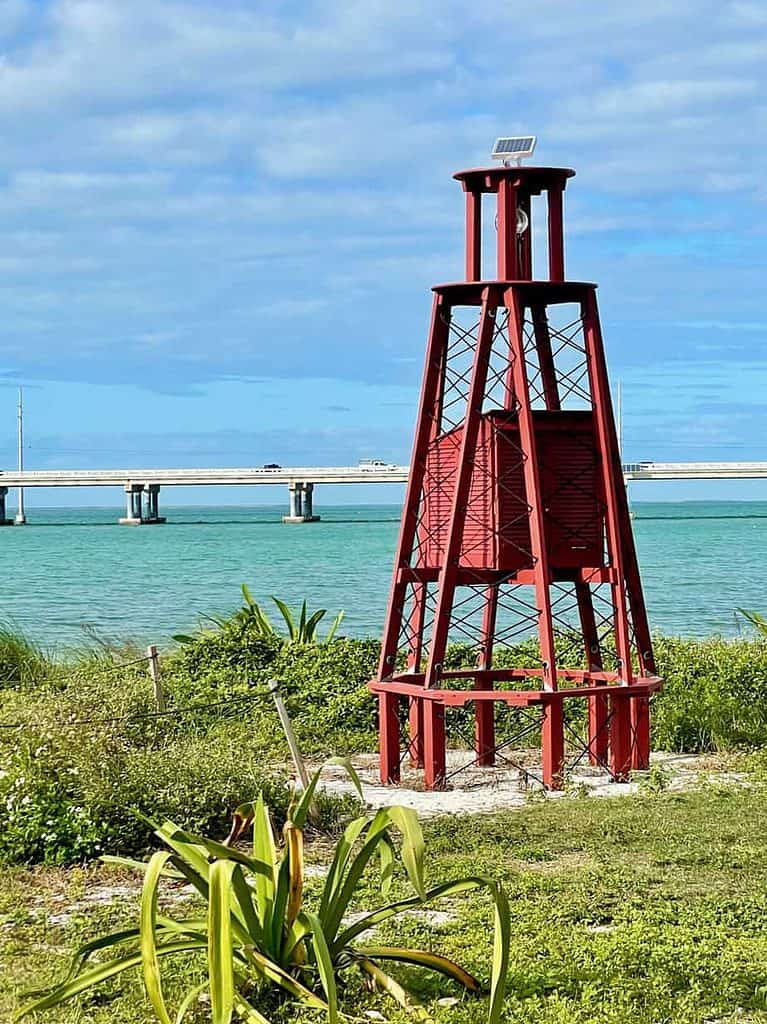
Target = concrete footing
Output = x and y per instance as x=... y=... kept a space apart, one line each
x=301 y=508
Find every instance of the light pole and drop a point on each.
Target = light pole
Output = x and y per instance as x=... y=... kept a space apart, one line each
x=21 y=519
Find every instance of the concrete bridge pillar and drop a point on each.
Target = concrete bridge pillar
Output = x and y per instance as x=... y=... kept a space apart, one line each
x=301 y=504
x=152 y=511
x=133 y=516
x=4 y=521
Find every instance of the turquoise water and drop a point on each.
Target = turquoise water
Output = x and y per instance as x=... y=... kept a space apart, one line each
x=72 y=570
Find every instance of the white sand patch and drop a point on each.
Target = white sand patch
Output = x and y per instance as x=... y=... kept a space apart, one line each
x=477 y=790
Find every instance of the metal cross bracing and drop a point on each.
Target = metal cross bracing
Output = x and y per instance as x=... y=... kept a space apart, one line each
x=516 y=581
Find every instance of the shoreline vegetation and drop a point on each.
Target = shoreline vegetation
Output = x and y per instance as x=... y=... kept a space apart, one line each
x=643 y=909
x=84 y=753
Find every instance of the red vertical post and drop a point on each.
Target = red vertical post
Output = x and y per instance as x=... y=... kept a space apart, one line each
x=640 y=733
x=525 y=240
x=473 y=236
x=449 y=572
x=415 y=725
x=556 y=235
x=415 y=633
x=605 y=430
x=545 y=357
x=552 y=733
x=388 y=731
x=598 y=708
x=620 y=737
x=553 y=744
x=427 y=414
x=484 y=712
x=433 y=744
x=508 y=268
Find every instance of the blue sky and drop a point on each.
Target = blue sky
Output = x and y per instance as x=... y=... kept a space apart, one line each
x=220 y=221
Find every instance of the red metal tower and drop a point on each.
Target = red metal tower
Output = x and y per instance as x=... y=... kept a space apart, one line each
x=516 y=521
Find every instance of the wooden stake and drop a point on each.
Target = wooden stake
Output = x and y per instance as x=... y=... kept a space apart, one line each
x=290 y=736
x=154 y=672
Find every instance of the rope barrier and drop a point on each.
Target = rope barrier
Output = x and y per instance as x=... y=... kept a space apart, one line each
x=174 y=712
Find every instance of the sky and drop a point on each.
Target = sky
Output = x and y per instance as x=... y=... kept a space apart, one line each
x=220 y=221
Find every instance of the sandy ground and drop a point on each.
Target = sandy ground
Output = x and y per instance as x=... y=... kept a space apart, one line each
x=477 y=790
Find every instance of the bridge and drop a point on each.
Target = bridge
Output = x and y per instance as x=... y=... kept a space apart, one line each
x=142 y=486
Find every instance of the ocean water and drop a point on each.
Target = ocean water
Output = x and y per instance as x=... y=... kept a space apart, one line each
x=74 y=571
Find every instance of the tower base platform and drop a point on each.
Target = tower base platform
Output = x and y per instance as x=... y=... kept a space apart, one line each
x=618 y=729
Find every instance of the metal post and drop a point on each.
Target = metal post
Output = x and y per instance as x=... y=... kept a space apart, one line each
x=21 y=518
x=154 y=672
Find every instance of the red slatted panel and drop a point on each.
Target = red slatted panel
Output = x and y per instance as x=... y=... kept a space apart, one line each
x=496 y=532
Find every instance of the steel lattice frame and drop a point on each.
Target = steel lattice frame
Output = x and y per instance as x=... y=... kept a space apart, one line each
x=516 y=524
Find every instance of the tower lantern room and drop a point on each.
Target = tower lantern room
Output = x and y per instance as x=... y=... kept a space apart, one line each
x=514 y=188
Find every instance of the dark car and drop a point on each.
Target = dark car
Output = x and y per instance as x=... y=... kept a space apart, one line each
x=272 y=465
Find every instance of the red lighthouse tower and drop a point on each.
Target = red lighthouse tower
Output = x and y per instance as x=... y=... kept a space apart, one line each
x=516 y=522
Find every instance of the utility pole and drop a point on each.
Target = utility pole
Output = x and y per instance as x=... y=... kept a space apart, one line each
x=21 y=519
x=620 y=418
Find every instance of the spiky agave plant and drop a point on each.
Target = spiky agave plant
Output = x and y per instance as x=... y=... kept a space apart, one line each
x=259 y=933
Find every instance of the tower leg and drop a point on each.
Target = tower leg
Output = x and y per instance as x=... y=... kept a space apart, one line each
x=388 y=731
x=640 y=733
x=620 y=739
x=598 y=712
x=484 y=711
x=434 y=745
x=553 y=745
x=415 y=723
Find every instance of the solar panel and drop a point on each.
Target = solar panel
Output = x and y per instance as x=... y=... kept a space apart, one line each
x=514 y=147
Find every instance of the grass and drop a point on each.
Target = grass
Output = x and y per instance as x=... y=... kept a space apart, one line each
x=625 y=911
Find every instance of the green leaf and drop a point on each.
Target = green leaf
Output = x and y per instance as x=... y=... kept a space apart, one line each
x=275 y=973
x=188 y=1000
x=303 y=806
x=248 y=1013
x=265 y=854
x=420 y=958
x=387 y=984
x=220 y=968
x=378 y=824
x=386 y=853
x=382 y=914
x=310 y=628
x=325 y=967
x=97 y=975
x=148 y=925
x=244 y=896
x=334 y=626
x=287 y=616
x=501 y=947
x=406 y=820
x=345 y=763
x=343 y=850
x=302 y=635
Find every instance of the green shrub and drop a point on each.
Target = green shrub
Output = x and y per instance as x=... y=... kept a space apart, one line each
x=714 y=694
x=65 y=797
